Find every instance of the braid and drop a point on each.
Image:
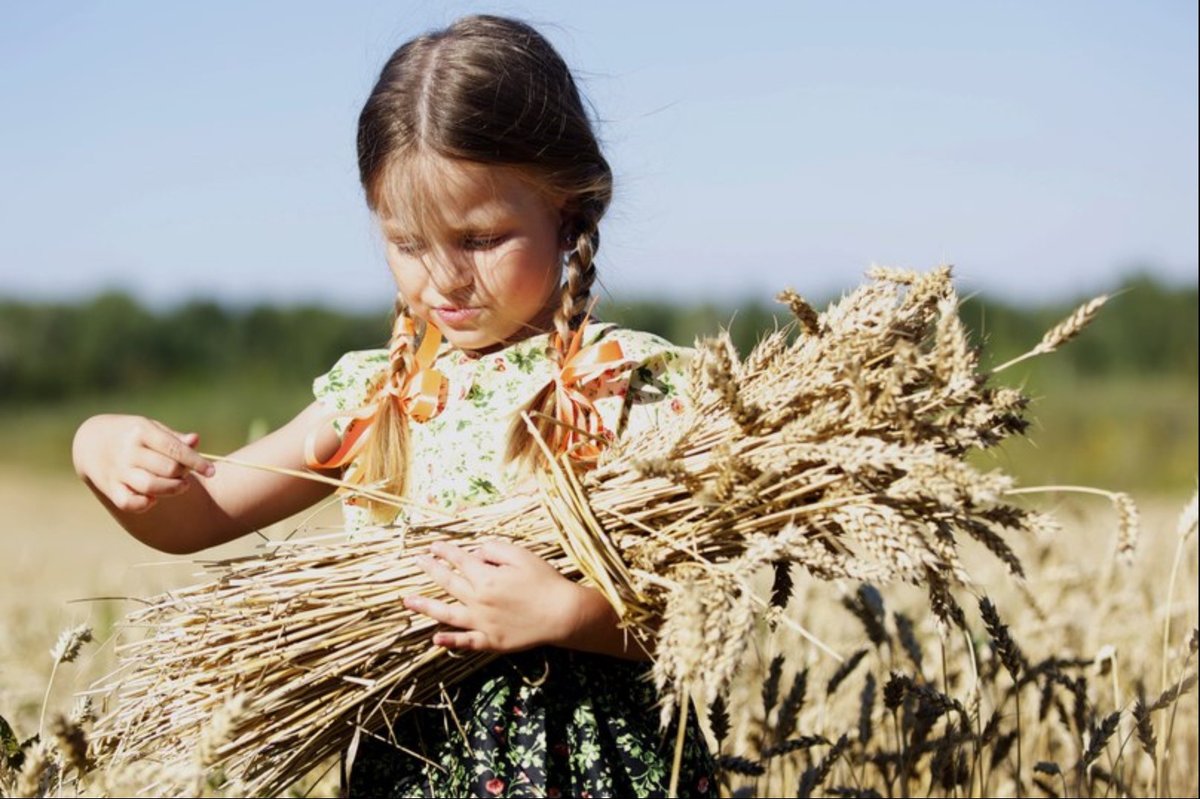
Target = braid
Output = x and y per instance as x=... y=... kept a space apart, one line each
x=581 y=274
x=383 y=462
x=401 y=345
x=576 y=291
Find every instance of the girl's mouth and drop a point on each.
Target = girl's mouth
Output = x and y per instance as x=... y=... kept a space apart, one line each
x=457 y=317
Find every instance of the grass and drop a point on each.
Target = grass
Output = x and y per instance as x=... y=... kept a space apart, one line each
x=1131 y=433
x=1128 y=433
x=224 y=413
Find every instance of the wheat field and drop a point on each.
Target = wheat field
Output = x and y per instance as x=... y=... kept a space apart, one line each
x=66 y=563
x=1088 y=627
x=1086 y=635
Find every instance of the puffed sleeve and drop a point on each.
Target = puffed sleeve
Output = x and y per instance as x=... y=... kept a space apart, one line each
x=653 y=391
x=657 y=394
x=349 y=384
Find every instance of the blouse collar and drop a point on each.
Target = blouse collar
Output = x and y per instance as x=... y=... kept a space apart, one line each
x=523 y=347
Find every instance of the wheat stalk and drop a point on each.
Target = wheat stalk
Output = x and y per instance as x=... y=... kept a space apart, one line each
x=1061 y=333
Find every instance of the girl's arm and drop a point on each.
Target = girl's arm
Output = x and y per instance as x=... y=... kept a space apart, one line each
x=155 y=484
x=594 y=629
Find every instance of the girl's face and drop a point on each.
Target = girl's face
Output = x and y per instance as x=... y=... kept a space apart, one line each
x=475 y=251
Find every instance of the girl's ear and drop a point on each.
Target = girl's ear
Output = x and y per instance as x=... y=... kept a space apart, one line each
x=566 y=233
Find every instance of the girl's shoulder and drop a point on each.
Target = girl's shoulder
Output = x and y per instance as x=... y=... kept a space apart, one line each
x=658 y=363
x=351 y=380
x=642 y=346
x=655 y=391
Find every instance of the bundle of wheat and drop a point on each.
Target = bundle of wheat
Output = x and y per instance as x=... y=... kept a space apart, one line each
x=838 y=444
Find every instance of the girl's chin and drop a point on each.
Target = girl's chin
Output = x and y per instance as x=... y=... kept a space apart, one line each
x=470 y=339
x=464 y=337
x=480 y=340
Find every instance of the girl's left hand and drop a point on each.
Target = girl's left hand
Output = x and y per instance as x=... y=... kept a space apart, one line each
x=508 y=598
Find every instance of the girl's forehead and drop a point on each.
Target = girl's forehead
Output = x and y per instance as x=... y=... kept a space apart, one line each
x=431 y=194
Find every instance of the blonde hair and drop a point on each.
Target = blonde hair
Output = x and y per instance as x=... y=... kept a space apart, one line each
x=493 y=91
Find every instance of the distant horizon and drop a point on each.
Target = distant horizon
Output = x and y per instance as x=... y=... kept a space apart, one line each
x=242 y=303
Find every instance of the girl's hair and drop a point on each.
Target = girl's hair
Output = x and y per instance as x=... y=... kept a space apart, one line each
x=486 y=90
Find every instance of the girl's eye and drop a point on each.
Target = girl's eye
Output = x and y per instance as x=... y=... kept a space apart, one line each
x=406 y=247
x=482 y=242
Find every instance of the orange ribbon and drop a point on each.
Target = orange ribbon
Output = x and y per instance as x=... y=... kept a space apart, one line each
x=420 y=394
x=582 y=433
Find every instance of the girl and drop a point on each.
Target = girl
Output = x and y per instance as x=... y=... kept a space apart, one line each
x=482 y=169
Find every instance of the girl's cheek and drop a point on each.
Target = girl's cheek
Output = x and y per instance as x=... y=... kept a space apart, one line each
x=409 y=285
x=538 y=276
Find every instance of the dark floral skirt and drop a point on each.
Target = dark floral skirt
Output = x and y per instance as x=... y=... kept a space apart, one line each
x=547 y=722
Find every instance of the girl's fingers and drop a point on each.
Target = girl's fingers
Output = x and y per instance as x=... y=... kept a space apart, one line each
x=156 y=463
x=191 y=439
x=151 y=485
x=125 y=498
x=501 y=553
x=467 y=640
x=167 y=442
x=450 y=581
x=466 y=562
x=451 y=614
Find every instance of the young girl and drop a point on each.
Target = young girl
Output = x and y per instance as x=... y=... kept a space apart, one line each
x=482 y=169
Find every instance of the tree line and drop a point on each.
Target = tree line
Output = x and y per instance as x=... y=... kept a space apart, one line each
x=112 y=342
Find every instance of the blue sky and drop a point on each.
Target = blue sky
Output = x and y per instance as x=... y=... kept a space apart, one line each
x=1044 y=148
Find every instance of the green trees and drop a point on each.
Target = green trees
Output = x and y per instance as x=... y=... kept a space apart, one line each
x=112 y=343
x=50 y=352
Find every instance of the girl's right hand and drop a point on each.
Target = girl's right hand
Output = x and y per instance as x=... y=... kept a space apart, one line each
x=132 y=460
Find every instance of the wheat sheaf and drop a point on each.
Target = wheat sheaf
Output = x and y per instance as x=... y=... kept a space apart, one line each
x=838 y=444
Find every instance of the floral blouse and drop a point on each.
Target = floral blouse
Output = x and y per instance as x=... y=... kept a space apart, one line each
x=458 y=455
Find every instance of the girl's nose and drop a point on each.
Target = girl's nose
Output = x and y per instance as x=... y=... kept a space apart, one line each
x=450 y=273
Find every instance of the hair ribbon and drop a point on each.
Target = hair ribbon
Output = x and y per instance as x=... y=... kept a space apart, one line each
x=420 y=394
x=593 y=368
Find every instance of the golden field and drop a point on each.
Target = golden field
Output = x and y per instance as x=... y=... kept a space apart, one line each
x=1077 y=680
x=65 y=561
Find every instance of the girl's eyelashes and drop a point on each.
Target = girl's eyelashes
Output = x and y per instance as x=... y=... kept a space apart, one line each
x=481 y=242
x=408 y=246
x=471 y=242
